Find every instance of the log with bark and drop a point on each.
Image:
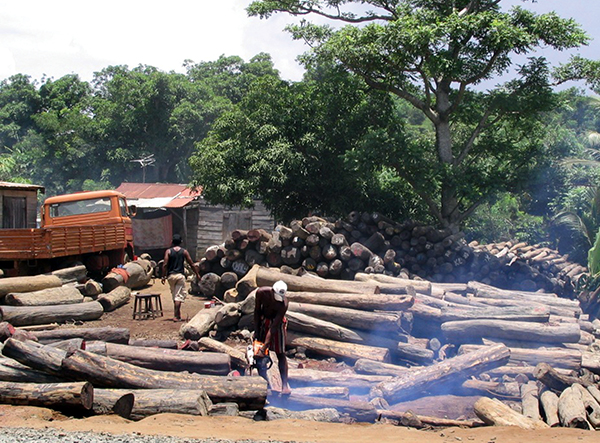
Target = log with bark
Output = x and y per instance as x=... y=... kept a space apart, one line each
x=451 y=371
x=238 y=358
x=549 y=406
x=466 y=331
x=356 y=383
x=199 y=325
x=113 y=401
x=53 y=395
x=115 y=298
x=35 y=355
x=248 y=392
x=28 y=284
x=339 y=392
x=421 y=286
x=530 y=401
x=380 y=302
x=495 y=413
x=592 y=407
x=358 y=410
x=139 y=272
x=571 y=409
x=12 y=370
x=107 y=334
x=555 y=380
x=39 y=315
x=174 y=360
x=306 y=324
x=73 y=274
x=332 y=348
x=425 y=421
x=52 y=296
x=371 y=367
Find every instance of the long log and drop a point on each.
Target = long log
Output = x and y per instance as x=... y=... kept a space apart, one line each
x=592 y=407
x=107 y=334
x=454 y=370
x=161 y=401
x=238 y=358
x=571 y=409
x=306 y=324
x=358 y=410
x=331 y=348
x=421 y=286
x=468 y=330
x=350 y=318
x=530 y=400
x=152 y=343
x=35 y=355
x=51 y=296
x=539 y=314
x=268 y=276
x=73 y=274
x=78 y=394
x=370 y=367
x=28 y=284
x=248 y=392
x=427 y=421
x=140 y=273
x=199 y=325
x=555 y=380
x=173 y=360
x=381 y=302
x=113 y=401
x=356 y=383
x=339 y=392
x=115 y=298
x=557 y=357
x=495 y=413
x=12 y=370
x=39 y=315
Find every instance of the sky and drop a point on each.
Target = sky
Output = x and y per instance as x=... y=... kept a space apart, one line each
x=43 y=38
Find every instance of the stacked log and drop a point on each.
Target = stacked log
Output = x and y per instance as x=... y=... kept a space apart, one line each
x=373 y=244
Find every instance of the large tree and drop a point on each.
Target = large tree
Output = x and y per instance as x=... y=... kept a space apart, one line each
x=435 y=55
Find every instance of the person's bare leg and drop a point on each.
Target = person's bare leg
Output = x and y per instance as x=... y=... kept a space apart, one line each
x=177 y=309
x=283 y=371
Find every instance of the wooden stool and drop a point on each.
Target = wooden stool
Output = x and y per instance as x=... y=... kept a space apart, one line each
x=147 y=306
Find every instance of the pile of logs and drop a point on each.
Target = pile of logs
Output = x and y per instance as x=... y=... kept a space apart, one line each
x=100 y=370
x=67 y=295
x=532 y=357
x=372 y=243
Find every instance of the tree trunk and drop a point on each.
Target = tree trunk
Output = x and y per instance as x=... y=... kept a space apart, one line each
x=173 y=360
x=530 y=400
x=360 y=411
x=28 y=284
x=53 y=395
x=39 y=315
x=382 y=302
x=421 y=286
x=366 y=366
x=571 y=409
x=537 y=314
x=107 y=334
x=468 y=330
x=454 y=370
x=238 y=358
x=555 y=380
x=112 y=401
x=140 y=273
x=342 y=350
x=199 y=325
x=52 y=296
x=306 y=324
x=495 y=413
x=36 y=356
x=152 y=343
x=247 y=392
x=339 y=392
x=549 y=403
x=426 y=421
x=74 y=274
x=592 y=407
x=115 y=298
x=12 y=370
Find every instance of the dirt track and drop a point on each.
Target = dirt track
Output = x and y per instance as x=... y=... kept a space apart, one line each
x=239 y=428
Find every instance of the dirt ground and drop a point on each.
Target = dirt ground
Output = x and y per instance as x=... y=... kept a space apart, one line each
x=240 y=428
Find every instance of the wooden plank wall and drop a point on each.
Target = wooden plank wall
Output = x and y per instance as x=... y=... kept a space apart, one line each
x=32 y=204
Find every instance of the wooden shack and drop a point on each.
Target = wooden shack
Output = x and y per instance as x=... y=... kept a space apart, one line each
x=19 y=205
x=164 y=209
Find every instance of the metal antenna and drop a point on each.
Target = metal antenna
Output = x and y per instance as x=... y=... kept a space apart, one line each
x=144 y=162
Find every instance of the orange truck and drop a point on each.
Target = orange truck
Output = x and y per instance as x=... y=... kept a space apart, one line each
x=93 y=228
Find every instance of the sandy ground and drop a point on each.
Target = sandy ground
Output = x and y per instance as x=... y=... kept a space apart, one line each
x=239 y=428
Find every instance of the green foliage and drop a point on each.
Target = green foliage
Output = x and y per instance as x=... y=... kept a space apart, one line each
x=505 y=220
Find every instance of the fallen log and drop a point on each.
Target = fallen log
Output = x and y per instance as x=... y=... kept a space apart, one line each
x=199 y=325
x=356 y=383
x=115 y=298
x=366 y=366
x=51 y=296
x=28 y=284
x=238 y=358
x=454 y=370
x=6 y=331
x=592 y=407
x=35 y=355
x=491 y=388
x=53 y=395
x=39 y=315
x=381 y=302
x=107 y=334
x=140 y=273
x=555 y=380
x=152 y=343
x=469 y=330
x=358 y=410
x=495 y=413
x=414 y=353
x=350 y=318
x=339 y=392
x=173 y=360
x=268 y=276
x=549 y=405
x=421 y=286
x=248 y=392
x=73 y=274
x=331 y=348
x=538 y=314
x=530 y=401
x=571 y=409
x=12 y=370
x=320 y=328
x=112 y=401
x=426 y=421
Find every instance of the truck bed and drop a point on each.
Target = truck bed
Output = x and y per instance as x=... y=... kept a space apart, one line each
x=59 y=241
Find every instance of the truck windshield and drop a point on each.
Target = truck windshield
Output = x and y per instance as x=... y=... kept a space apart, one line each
x=79 y=207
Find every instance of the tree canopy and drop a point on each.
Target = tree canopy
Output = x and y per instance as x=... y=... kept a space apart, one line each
x=435 y=55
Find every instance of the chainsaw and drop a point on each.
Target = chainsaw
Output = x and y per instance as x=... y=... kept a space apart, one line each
x=258 y=359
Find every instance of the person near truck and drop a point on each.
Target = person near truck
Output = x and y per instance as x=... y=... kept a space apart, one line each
x=173 y=271
x=270 y=324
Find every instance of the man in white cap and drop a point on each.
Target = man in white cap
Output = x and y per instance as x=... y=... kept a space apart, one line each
x=271 y=325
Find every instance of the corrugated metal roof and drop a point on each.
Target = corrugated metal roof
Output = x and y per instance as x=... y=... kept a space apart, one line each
x=21 y=186
x=158 y=195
